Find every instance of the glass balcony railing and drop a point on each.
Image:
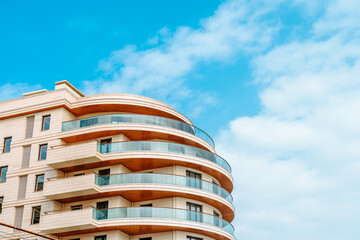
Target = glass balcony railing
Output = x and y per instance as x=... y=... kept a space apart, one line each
x=162 y=213
x=133 y=146
x=137 y=118
x=150 y=178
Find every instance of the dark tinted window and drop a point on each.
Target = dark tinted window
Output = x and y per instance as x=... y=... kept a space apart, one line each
x=7 y=144
x=46 y=123
x=39 y=185
x=43 y=151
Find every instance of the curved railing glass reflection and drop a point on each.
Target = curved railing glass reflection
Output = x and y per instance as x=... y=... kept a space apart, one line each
x=133 y=146
x=137 y=118
x=162 y=213
x=151 y=178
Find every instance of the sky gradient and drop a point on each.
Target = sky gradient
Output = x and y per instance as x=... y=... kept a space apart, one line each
x=275 y=82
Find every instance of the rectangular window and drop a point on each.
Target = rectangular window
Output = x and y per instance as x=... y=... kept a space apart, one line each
x=193 y=179
x=43 y=151
x=193 y=238
x=104 y=177
x=105 y=145
x=79 y=174
x=102 y=237
x=7 y=144
x=3 y=171
x=194 y=212
x=39 y=183
x=45 y=123
x=146 y=205
x=147 y=238
x=35 y=218
x=1 y=202
x=76 y=207
x=216 y=219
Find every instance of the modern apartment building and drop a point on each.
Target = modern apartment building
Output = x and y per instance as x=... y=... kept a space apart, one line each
x=110 y=166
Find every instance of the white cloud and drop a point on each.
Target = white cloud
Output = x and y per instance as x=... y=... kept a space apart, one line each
x=14 y=90
x=297 y=161
x=161 y=71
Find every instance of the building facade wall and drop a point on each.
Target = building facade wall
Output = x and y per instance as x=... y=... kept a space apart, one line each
x=65 y=104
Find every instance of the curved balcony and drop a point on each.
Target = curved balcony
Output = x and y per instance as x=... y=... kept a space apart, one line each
x=137 y=119
x=151 y=178
x=162 y=213
x=133 y=146
x=137 y=187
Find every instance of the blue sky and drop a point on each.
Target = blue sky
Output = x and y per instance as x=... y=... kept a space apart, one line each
x=275 y=82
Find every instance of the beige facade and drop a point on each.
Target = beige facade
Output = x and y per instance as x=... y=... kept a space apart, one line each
x=110 y=166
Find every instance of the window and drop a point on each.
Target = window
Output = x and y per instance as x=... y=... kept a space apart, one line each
x=216 y=219
x=35 y=215
x=102 y=210
x=43 y=151
x=1 y=202
x=39 y=183
x=105 y=145
x=194 y=212
x=193 y=179
x=193 y=238
x=7 y=144
x=76 y=207
x=102 y=237
x=45 y=123
x=146 y=205
x=79 y=174
x=147 y=238
x=3 y=171
x=104 y=177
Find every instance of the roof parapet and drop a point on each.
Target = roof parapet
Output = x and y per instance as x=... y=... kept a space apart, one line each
x=64 y=84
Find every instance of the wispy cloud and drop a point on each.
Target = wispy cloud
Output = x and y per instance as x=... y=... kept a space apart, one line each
x=297 y=162
x=161 y=71
x=14 y=90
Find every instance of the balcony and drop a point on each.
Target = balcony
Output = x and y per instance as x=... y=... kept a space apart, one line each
x=139 y=187
x=65 y=188
x=135 y=220
x=138 y=156
x=57 y=222
x=137 y=119
x=162 y=179
x=149 y=146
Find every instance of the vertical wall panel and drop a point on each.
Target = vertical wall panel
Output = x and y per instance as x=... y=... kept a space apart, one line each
x=22 y=187
x=19 y=211
x=29 y=127
x=26 y=157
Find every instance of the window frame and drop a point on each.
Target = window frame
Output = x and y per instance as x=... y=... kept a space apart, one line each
x=1 y=173
x=36 y=182
x=40 y=146
x=76 y=207
x=1 y=203
x=193 y=238
x=5 y=141
x=42 y=122
x=101 y=236
x=33 y=214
